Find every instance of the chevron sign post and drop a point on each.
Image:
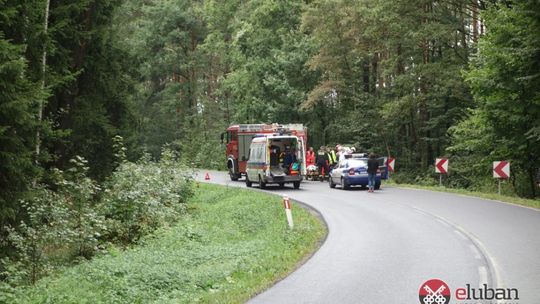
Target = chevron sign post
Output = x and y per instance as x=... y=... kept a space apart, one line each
x=390 y=162
x=441 y=167
x=501 y=170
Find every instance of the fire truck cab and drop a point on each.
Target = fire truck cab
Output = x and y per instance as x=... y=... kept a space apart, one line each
x=238 y=140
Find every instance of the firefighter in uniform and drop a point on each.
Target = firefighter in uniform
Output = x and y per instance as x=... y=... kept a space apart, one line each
x=322 y=162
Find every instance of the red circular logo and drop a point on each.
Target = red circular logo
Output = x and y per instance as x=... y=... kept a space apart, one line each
x=434 y=291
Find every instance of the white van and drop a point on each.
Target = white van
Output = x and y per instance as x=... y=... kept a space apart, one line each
x=276 y=159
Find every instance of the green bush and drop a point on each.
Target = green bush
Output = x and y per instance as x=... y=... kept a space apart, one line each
x=140 y=197
x=73 y=218
x=61 y=225
x=232 y=245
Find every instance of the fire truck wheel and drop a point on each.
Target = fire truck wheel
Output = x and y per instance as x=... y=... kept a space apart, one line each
x=262 y=184
x=296 y=185
x=248 y=182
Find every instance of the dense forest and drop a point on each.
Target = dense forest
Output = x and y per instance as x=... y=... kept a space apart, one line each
x=415 y=80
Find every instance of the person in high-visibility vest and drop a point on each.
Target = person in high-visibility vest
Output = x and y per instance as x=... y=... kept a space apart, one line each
x=332 y=158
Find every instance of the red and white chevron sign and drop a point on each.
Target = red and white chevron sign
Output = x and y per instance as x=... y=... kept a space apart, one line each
x=390 y=162
x=441 y=165
x=501 y=169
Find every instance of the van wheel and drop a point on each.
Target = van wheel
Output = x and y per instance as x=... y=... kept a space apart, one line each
x=262 y=184
x=234 y=177
x=248 y=182
x=296 y=185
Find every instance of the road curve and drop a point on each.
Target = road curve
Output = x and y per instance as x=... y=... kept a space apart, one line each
x=381 y=247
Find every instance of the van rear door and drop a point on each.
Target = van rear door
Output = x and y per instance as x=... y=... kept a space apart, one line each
x=302 y=156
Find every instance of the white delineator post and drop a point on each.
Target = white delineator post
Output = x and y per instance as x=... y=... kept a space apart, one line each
x=287 y=205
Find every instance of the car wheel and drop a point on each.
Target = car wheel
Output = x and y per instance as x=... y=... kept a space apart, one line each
x=344 y=184
x=331 y=183
x=262 y=184
x=248 y=182
x=296 y=185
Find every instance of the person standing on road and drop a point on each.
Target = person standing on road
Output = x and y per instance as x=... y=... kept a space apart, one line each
x=310 y=157
x=373 y=166
x=322 y=162
x=332 y=158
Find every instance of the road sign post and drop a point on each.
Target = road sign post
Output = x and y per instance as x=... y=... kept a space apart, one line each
x=441 y=167
x=501 y=170
x=390 y=162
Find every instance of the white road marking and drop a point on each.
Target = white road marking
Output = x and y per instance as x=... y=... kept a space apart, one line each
x=461 y=235
x=443 y=222
x=482 y=273
x=475 y=252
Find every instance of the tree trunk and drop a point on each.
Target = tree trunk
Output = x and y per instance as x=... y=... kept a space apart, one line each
x=365 y=78
x=400 y=67
x=43 y=68
x=474 y=8
x=374 y=73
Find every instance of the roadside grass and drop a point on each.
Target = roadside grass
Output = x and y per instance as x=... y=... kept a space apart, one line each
x=233 y=244
x=492 y=196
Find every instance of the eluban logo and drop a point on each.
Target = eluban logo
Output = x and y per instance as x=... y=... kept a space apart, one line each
x=434 y=291
x=486 y=293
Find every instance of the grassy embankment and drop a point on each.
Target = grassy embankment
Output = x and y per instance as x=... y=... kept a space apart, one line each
x=533 y=203
x=233 y=244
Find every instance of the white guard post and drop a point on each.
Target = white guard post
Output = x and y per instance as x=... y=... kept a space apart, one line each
x=288 y=213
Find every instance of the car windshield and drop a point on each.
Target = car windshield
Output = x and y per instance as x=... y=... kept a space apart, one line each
x=356 y=163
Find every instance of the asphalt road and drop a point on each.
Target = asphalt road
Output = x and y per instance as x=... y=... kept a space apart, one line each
x=382 y=247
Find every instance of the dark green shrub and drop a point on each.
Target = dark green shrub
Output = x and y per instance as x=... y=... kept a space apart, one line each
x=143 y=196
x=61 y=225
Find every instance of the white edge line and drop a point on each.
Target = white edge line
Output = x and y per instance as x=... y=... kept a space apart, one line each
x=461 y=235
x=465 y=195
x=475 y=252
x=497 y=281
x=483 y=277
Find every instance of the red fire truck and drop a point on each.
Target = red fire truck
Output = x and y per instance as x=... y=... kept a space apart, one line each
x=238 y=139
